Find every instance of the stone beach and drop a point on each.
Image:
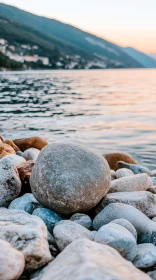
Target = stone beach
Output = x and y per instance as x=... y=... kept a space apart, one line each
x=67 y=212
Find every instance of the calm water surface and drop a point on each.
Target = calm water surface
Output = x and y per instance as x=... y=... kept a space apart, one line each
x=107 y=110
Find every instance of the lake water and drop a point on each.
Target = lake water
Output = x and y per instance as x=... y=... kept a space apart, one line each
x=106 y=110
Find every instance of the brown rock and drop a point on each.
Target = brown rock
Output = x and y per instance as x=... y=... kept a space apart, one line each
x=11 y=143
x=113 y=158
x=5 y=150
x=24 y=171
x=32 y=142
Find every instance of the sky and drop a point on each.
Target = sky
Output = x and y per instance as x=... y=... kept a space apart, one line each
x=125 y=22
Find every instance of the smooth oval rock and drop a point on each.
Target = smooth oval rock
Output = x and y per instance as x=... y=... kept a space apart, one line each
x=12 y=262
x=118 y=238
x=68 y=178
x=16 y=160
x=32 y=142
x=123 y=172
x=27 y=203
x=67 y=231
x=126 y=224
x=31 y=154
x=140 y=182
x=10 y=184
x=146 y=229
x=113 y=158
x=144 y=201
x=136 y=169
x=87 y=260
x=49 y=217
x=146 y=256
x=82 y=219
x=27 y=234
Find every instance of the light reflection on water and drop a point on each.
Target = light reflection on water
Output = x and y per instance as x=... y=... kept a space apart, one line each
x=107 y=110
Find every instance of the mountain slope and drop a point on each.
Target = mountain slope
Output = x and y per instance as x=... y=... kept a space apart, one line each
x=70 y=40
x=145 y=60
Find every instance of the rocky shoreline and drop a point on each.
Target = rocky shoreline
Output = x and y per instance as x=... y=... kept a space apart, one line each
x=67 y=212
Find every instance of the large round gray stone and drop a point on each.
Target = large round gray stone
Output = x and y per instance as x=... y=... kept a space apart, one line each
x=118 y=238
x=68 y=178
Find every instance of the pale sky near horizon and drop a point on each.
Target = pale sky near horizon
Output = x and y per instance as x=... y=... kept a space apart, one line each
x=125 y=22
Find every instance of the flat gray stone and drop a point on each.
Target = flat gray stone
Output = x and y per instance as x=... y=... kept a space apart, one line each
x=87 y=260
x=126 y=224
x=49 y=217
x=136 y=169
x=144 y=201
x=118 y=238
x=67 y=231
x=68 y=178
x=140 y=182
x=82 y=219
x=146 y=229
x=146 y=256
x=10 y=184
x=12 y=262
x=27 y=234
x=26 y=202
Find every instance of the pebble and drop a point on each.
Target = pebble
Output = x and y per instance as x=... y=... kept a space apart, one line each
x=146 y=229
x=82 y=219
x=140 y=182
x=123 y=172
x=32 y=142
x=136 y=169
x=49 y=217
x=10 y=184
x=12 y=262
x=69 y=178
x=27 y=203
x=126 y=224
x=67 y=231
x=146 y=256
x=26 y=233
x=16 y=160
x=31 y=154
x=119 y=238
x=145 y=201
x=113 y=158
x=87 y=260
